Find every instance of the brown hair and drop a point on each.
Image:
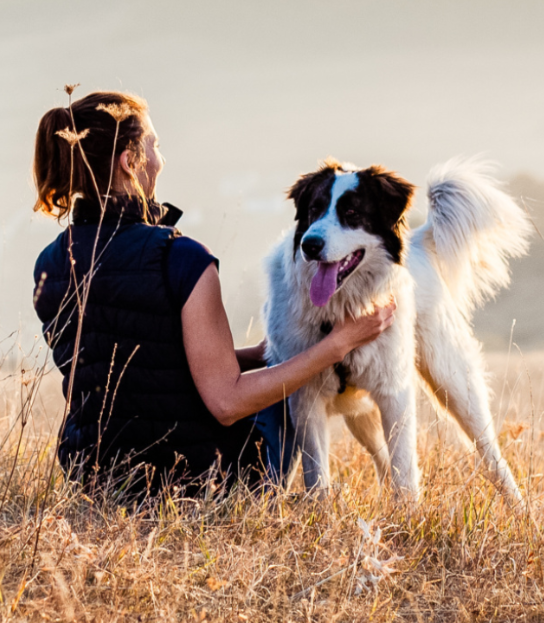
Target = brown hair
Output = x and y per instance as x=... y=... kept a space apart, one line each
x=60 y=170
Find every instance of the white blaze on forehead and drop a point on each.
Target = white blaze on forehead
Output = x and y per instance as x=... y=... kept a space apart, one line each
x=342 y=183
x=329 y=221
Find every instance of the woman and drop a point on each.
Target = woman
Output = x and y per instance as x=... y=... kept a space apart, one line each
x=152 y=377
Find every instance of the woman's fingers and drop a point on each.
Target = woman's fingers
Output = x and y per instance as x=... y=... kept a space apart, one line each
x=388 y=313
x=365 y=329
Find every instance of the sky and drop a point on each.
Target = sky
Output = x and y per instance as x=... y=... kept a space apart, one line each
x=247 y=95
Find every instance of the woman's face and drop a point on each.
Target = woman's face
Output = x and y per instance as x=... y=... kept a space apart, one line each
x=154 y=161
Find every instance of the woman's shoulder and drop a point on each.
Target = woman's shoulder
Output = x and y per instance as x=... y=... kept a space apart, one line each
x=187 y=261
x=184 y=245
x=190 y=252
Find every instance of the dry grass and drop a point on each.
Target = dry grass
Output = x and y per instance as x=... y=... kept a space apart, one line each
x=461 y=555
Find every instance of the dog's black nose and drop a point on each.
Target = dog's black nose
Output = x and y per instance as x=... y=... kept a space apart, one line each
x=312 y=247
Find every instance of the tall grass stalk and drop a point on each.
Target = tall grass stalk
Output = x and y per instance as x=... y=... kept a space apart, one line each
x=82 y=299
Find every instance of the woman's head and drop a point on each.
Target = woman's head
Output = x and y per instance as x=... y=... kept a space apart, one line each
x=65 y=166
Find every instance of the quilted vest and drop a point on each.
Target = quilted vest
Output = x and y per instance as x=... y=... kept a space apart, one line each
x=133 y=393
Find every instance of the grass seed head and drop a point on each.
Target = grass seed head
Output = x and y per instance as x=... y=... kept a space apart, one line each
x=119 y=112
x=70 y=88
x=71 y=136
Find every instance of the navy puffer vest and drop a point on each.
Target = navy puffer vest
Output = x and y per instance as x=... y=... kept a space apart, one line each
x=133 y=393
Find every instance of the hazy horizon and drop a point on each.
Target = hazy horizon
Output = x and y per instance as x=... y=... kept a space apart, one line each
x=246 y=96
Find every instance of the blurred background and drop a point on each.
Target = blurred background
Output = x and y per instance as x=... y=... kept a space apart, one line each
x=247 y=95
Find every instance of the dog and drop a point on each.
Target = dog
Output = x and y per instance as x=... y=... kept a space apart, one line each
x=351 y=249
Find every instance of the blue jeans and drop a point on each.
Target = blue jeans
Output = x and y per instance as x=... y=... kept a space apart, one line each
x=274 y=424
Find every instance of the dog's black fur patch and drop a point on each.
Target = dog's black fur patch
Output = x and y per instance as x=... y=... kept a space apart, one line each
x=340 y=369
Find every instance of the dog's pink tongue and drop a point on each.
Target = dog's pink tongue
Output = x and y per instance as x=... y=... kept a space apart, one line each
x=324 y=283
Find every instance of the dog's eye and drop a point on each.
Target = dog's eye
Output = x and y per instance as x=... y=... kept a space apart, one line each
x=350 y=212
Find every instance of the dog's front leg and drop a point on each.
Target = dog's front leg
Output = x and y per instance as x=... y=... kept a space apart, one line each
x=400 y=429
x=309 y=414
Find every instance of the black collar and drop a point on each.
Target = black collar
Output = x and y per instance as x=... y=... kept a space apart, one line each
x=125 y=209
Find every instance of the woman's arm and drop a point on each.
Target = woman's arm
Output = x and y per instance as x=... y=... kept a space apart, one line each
x=231 y=395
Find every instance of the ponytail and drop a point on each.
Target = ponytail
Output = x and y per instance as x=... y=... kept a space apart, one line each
x=53 y=164
x=60 y=171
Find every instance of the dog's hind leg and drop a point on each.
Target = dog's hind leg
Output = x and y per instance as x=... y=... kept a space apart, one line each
x=455 y=376
x=309 y=414
x=364 y=421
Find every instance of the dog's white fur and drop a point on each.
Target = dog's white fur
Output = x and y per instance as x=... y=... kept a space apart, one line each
x=455 y=260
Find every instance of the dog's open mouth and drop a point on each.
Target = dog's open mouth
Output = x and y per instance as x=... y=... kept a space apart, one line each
x=331 y=275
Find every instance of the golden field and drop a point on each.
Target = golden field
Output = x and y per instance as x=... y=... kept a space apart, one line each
x=461 y=555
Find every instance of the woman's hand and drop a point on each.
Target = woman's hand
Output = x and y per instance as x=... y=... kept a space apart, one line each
x=353 y=333
x=252 y=357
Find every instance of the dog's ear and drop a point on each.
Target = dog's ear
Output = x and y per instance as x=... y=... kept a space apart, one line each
x=392 y=193
x=302 y=192
x=391 y=196
x=301 y=195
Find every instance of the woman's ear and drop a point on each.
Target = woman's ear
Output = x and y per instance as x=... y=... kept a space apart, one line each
x=126 y=162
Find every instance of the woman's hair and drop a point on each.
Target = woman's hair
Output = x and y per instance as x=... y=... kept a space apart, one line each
x=62 y=171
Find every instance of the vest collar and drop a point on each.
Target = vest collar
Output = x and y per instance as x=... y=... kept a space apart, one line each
x=125 y=209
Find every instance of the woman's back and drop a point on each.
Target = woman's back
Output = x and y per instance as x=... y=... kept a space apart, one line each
x=133 y=390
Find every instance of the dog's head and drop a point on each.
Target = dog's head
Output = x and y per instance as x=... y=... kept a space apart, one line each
x=344 y=217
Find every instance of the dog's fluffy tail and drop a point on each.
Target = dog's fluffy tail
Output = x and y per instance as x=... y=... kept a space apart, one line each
x=476 y=228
